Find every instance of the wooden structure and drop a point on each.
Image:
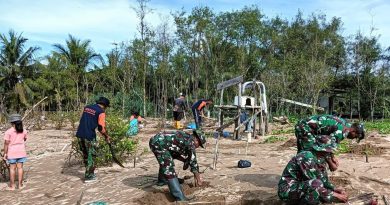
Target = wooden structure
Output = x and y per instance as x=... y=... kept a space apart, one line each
x=257 y=107
x=302 y=104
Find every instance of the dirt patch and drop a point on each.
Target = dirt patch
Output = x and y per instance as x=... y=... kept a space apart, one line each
x=208 y=200
x=260 y=197
x=369 y=149
x=339 y=181
x=345 y=183
x=290 y=143
x=190 y=188
x=156 y=198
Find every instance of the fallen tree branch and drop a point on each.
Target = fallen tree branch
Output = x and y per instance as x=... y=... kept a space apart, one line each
x=374 y=180
x=227 y=124
x=247 y=120
x=33 y=107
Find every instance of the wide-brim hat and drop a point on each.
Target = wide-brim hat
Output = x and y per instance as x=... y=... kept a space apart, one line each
x=14 y=118
x=325 y=143
x=104 y=101
x=200 y=135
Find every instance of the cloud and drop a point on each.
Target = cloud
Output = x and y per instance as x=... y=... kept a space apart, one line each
x=103 y=22
x=46 y=22
x=358 y=15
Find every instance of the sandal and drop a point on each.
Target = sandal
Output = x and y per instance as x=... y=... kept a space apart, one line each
x=10 y=188
x=22 y=187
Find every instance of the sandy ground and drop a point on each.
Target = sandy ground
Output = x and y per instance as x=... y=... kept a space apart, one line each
x=49 y=181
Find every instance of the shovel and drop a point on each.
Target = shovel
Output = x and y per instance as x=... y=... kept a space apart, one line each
x=113 y=156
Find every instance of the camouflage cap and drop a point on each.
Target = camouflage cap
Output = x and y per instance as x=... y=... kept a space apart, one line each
x=325 y=143
x=361 y=132
x=14 y=118
x=200 y=135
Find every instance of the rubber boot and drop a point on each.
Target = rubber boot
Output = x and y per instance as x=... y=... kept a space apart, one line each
x=161 y=180
x=175 y=189
x=179 y=126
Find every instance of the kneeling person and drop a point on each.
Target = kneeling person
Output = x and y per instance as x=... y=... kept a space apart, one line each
x=308 y=129
x=305 y=179
x=168 y=146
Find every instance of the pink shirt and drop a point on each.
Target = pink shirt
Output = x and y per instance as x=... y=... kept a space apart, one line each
x=16 y=148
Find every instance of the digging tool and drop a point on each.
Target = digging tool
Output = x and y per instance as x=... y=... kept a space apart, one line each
x=5 y=164
x=362 y=197
x=204 y=170
x=26 y=175
x=385 y=200
x=80 y=199
x=114 y=156
x=209 y=118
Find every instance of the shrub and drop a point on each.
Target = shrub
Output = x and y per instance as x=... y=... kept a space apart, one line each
x=383 y=127
x=274 y=139
x=123 y=146
x=283 y=131
x=344 y=147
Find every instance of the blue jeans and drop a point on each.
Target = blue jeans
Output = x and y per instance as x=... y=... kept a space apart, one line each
x=197 y=118
x=17 y=160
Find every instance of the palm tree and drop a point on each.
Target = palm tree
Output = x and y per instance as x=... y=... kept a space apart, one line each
x=15 y=66
x=79 y=56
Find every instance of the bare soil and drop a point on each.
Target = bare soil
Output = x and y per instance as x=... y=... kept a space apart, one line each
x=50 y=181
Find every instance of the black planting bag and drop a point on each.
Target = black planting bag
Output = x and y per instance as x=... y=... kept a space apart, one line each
x=244 y=164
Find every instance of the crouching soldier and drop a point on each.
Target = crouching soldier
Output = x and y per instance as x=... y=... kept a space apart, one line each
x=308 y=129
x=168 y=146
x=305 y=179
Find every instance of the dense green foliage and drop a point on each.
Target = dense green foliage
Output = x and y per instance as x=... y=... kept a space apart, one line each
x=123 y=145
x=382 y=127
x=300 y=59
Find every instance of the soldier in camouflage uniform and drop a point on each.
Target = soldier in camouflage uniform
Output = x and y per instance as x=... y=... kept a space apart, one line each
x=168 y=146
x=308 y=129
x=305 y=179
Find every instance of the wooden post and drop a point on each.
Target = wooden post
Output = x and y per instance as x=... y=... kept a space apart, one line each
x=261 y=121
x=220 y=110
x=254 y=110
x=266 y=124
x=237 y=131
x=215 y=160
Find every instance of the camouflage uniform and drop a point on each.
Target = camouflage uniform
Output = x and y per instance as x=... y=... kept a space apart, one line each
x=88 y=148
x=305 y=180
x=308 y=129
x=167 y=146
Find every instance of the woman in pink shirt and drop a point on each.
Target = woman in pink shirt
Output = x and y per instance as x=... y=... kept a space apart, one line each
x=15 y=150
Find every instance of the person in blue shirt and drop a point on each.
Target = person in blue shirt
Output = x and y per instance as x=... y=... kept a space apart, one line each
x=93 y=117
x=197 y=110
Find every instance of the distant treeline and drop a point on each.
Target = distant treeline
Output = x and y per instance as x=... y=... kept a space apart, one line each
x=302 y=59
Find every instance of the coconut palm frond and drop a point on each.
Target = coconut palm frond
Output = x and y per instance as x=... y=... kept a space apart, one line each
x=20 y=91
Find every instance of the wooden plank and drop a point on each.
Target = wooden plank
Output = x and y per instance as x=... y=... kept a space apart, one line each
x=301 y=104
x=237 y=131
x=230 y=82
x=236 y=107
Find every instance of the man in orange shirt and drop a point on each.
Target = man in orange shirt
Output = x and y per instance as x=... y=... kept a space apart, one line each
x=197 y=110
x=93 y=117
